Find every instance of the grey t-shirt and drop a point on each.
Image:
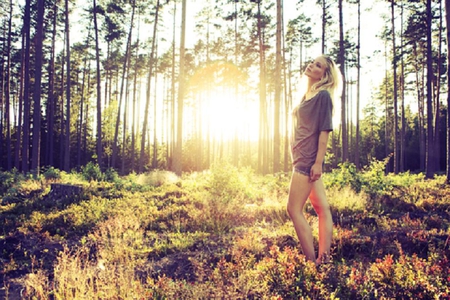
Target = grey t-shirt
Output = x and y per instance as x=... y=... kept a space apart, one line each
x=309 y=119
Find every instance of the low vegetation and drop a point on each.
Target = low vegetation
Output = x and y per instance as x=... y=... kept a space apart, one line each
x=222 y=234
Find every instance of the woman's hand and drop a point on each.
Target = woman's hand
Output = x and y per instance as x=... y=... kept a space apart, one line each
x=316 y=172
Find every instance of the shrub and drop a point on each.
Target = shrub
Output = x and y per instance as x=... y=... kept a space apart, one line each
x=52 y=174
x=227 y=182
x=344 y=176
x=7 y=180
x=374 y=179
x=111 y=175
x=91 y=172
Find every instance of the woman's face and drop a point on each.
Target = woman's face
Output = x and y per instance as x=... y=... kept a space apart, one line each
x=316 y=69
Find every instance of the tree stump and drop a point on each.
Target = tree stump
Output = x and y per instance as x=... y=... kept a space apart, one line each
x=61 y=190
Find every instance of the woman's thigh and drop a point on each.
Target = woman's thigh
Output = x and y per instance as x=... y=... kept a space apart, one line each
x=318 y=196
x=299 y=190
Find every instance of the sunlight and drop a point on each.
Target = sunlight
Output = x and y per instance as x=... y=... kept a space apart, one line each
x=226 y=116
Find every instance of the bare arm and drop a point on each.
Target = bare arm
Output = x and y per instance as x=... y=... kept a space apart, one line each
x=316 y=169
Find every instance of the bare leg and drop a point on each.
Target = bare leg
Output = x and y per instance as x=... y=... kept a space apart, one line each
x=319 y=201
x=299 y=191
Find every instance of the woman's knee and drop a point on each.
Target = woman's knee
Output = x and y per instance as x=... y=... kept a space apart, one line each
x=291 y=209
x=294 y=209
x=322 y=208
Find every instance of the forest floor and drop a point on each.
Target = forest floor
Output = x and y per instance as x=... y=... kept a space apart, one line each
x=221 y=235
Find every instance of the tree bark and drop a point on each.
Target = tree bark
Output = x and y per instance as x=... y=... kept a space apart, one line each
x=68 y=96
x=437 y=106
x=99 y=96
x=358 y=89
x=35 y=162
x=149 y=80
x=178 y=157
x=430 y=138
x=7 y=85
x=341 y=62
x=324 y=26
x=86 y=70
x=394 y=67
x=26 y=92
x=276 y=134
x=126 y=63
x=155 y=115
x=18 y=149
x=447 y=21
x=51 y=99
x=171 y=149
x=134 y=99
x=262 y=152
x=402 y=87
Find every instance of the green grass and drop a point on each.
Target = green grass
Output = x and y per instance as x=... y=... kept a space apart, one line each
x=223 y=233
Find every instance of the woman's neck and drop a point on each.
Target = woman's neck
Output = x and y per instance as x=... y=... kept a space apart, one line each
x=310 y=85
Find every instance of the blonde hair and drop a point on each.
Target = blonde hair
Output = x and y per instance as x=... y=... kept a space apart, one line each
x=331 y=81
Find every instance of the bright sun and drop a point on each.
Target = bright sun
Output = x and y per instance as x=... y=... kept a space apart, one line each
x=226 y=116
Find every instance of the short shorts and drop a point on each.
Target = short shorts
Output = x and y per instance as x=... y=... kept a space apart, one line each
x=303 y=170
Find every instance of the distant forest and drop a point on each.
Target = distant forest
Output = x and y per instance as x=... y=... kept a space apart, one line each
x=130 y=85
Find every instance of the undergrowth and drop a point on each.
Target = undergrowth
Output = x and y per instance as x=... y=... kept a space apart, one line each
x=222 y=233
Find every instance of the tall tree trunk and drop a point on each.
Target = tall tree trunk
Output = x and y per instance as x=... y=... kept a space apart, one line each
x=394 y=67
x=437 y=106
x=287 y=75
x=172 y=96
x=126 y=63
x=125 y=124
x=178 y=157
x=26 y=92
x=35 y=162
x=20 y=104
x=386 y=109
x=7 y=85
x=358 y=89
x=447 y=22
x=341 y=62
x=2 y=96
x=85 y=125
x=68 y=96
x=262 y=157
x=86 y=70
x=61 y=107
x=155 y=115
x=402 y=87
x=276 y=135
x=51 y=100
x=324 y=26
x=418 y=68
x=430 y=138
x=107 y=73
x=149 y=80
x=99 y=90
x=134 y=99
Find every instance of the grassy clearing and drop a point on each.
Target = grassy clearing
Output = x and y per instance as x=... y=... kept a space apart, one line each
x=220 y=234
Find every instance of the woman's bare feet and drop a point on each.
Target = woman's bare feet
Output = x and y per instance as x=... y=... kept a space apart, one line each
x=323 y=258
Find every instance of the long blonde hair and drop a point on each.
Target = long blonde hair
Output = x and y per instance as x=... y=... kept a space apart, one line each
x=331 y=81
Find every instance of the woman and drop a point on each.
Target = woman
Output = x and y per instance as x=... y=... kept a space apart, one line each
x=312 y=123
